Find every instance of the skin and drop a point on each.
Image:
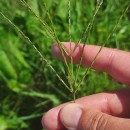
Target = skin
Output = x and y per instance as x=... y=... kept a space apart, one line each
x=112 y=109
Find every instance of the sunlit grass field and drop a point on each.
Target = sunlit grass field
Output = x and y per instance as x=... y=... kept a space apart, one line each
x=28 y=87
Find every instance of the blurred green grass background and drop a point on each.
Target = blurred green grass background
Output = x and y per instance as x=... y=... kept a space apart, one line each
x=28 y=88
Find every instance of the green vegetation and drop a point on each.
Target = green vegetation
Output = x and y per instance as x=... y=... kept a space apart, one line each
x=28 y=86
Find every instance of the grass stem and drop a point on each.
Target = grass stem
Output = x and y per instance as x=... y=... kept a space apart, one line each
x=35 y=48
x=114 y=28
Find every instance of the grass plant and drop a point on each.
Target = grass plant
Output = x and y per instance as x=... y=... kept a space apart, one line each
x=71 y=76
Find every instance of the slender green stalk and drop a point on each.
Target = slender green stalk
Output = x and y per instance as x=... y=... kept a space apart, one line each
x=30 y=42
x=86 y=35
x=93 y=61
x=46 y=26
x=69 y=21
x=52 y=25
x=71 y=76
x=52 y=32
x=74 y=95
x=62 y=49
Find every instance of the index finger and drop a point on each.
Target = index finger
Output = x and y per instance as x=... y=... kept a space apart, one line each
x=114 y=62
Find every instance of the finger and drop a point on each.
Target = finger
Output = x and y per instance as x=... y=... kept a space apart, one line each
x=76 y=117
x=113 y=103
x=115 y=62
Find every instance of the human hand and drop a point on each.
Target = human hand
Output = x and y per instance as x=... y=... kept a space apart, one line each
x=104 y=111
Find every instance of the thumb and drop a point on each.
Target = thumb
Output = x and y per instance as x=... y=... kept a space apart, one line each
x=76 y=117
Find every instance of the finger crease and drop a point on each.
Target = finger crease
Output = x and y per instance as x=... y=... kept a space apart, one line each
x=109 y=62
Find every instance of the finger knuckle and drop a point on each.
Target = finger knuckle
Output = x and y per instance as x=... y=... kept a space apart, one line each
x=96 y=121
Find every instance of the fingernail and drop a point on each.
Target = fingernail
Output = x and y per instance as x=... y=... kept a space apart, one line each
x=50 y=120
x=70 y=116
x=55 y=50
